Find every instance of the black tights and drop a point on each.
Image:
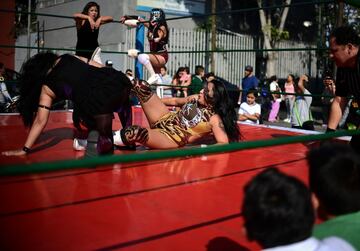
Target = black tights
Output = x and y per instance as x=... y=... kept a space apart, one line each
x=104 y=127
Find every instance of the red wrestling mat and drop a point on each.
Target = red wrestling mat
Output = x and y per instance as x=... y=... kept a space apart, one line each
x=173 y=204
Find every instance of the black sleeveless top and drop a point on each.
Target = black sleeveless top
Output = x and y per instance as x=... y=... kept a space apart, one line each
x=159 y=46
x=87 y=39
x=93 y=90
x=348 y=81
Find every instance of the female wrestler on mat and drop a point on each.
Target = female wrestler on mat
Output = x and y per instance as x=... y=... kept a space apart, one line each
x=158 y=37
x=97 y=91
x=209 y=112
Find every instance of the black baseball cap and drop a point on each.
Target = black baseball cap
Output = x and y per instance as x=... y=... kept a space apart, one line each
x=248 y=68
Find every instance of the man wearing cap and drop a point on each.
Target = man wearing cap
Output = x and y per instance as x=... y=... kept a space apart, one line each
x=247 y=83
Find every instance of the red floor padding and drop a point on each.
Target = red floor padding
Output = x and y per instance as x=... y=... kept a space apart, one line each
x=188 y=203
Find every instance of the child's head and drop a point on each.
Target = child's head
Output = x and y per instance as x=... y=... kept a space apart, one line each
x=199 y=70
x=251 y=96
x=277 y=209
x=163 y=70
x=335 y=178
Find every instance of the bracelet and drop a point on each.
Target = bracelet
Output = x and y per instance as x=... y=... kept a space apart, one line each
x=26 y=149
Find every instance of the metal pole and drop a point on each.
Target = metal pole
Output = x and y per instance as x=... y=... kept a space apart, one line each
x=340 y=14
x=207 y=49
x=38 y=36
x=28 y=30
x=213 y=35
x=43 y=34
x=139 y=45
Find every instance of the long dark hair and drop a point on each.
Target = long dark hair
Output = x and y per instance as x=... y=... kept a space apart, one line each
x=223 y=106
x=88 y=6
x=33 y=75
x=161 y=22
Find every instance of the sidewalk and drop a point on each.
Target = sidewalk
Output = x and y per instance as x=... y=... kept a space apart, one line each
x=316 y=112
x=318 y=125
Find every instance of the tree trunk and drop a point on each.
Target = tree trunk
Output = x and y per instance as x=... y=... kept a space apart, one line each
x=269 y=41
x=213 y=35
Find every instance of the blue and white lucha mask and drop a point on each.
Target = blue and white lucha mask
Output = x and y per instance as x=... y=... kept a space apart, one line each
x=157 y=16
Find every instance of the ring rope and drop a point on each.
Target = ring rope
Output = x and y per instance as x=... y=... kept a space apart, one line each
x=174 y=52
x=21 y=169
x=189 y=16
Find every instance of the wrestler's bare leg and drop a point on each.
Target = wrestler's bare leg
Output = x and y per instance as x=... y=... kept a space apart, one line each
x=135 y=134
x=157 y=62
x=152 y=106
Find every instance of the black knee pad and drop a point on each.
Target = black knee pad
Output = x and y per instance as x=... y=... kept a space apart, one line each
x=135 y=134
x=142 y=90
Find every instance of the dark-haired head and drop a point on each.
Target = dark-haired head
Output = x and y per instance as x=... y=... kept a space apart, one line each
x=252 y=91
x=344 y=35
x=277 y=209
x=223 y=106
x=334 y=173
x=33 y=75
x=290 y=78
x=273 y=78
x=328 y=74
x=88 y=6
x=199 y=69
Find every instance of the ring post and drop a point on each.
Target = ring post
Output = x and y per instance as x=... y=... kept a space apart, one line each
x=139 y=45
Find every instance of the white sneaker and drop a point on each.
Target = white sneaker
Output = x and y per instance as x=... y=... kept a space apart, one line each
x=117 y=138
x=287 y=120
x=133 y=53
x=154 y=79
x=96 y=56
x=79 y=144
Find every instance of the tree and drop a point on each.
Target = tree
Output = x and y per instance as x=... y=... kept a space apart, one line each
x=272 y=26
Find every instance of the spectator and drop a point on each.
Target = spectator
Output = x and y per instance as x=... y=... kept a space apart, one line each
x=185 y=80
x=279 y=214
x=334 y=172
x=209 y=76
x=88 y=23
x=344 y=50
x=176 y=82
x=129 y=74
x=289 y=99
x=109 y=63
x=166 y=81
x=249 y=111
x=4 y=94
x=248 y=82
x=197 y=80
x=301 y=117
x=276 y=99
x=328 y=95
